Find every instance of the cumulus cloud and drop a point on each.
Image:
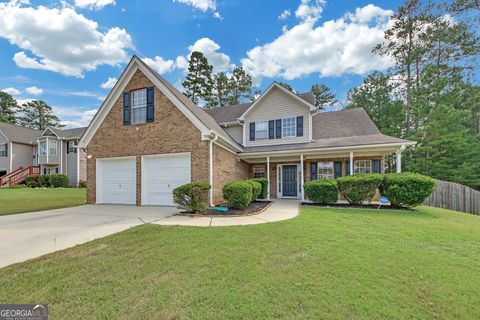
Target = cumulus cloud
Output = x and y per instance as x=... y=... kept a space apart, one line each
x=11 y=91
x=75 y=117
x=220 y=61
x=109 y=83
x=285 y=14
x=160 y=65
x=34 y=91
x=60 y=40
x=332 y=48
x=93 y=4
x=203 y=5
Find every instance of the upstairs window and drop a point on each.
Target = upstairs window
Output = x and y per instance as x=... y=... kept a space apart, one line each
x=261 y=130
x=43 y=148
x=325 y=170
x=259 y=171
x=3 y=150
x=52 y=147
x=72 y=146
x=139 y=99
x=289 y=127
x=363 y=166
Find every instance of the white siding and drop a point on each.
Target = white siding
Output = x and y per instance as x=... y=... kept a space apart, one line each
x=277 y=105
x=236 y=132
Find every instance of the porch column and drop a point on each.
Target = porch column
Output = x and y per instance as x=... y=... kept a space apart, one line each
x=399 y=159
x=351 y=162
x=301 y=177
x=268 y=178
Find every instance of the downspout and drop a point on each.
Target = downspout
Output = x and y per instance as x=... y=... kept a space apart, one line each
x=213 y=137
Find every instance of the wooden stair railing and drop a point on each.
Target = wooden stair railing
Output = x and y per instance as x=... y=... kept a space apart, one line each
x=18 y=176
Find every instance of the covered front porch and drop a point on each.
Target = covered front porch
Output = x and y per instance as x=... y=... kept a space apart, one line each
x=287 y=172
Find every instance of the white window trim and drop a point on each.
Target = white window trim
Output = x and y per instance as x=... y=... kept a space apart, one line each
x=356 y=166
x=257 y=166
x=143 y=120
x=5 y=146
x=257 y=123
x=50 y=144
x=294 y=128
x=330 y=166
x=40 y=148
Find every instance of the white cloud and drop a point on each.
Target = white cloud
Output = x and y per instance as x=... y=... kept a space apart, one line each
x=11 y=91
x=75 y=117
x=203 y=5
x=333 y=48
x=93 y=4
x=285 y=14
x=109 y=83
x=34 y=91
x=60 y=40
x=160 y=65
x=220 y=61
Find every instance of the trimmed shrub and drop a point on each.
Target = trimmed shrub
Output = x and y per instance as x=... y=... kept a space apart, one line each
x=359 y=188
x=32 y=184
x=192 y=196
x=406 y=189
x=30 y=178
x=324 y=191
x=238 y=194
x=264 y=191
x=58 y=180
x=256 y=189
x=82 y=184
x=43 y=180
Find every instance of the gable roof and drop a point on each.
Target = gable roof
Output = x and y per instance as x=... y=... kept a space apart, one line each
x=74 y=133
x=307 y=96
x=202 y=120
x=228 y=114
x=19 y=134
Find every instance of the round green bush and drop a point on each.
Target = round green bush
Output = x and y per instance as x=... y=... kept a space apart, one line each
x=256 y=189
x=192 y=196
x=323 y=191
x=32 y=184
x=406 y=189
x=58 y=180
x=43 y=180
x=30 y=178
x=359 y=188
x=264 y=191
x=238 y=194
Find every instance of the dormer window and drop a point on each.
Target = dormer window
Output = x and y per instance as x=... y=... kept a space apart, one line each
x=261 y=130
x=139 y=100
x=43 y=148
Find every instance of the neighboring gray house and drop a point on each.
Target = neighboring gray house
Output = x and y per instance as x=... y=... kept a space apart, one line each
x=52 y=151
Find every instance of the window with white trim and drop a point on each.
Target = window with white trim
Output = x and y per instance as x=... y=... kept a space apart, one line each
x=52 y=147
x=363 y=166
x=289 y=127
x=261 y=130
x=259 y=171
x=3 y=150
x=43 y=148
x=325 y=170
x=72 y=146
x=139 y=99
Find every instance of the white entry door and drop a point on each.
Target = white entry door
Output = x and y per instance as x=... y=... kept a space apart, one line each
x=116 y=181
x=161 y=174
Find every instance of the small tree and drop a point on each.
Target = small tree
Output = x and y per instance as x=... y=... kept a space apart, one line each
x=8 y=106
x=38 y=115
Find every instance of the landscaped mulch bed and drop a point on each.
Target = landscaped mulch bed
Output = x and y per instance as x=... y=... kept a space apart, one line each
x=348 y=205
x=253 y=208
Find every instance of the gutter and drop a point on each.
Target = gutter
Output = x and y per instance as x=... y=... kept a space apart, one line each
x=213 y=136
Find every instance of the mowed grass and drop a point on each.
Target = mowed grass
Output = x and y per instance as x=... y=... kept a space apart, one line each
x=324 y=264
x=25 y=199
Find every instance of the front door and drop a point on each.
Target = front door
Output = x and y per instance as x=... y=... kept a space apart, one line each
x=289 y=185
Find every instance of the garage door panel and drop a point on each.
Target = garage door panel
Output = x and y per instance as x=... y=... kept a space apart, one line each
x=117 y=183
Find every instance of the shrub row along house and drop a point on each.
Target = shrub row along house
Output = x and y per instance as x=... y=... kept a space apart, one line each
x=148 y=138
x=25 y=151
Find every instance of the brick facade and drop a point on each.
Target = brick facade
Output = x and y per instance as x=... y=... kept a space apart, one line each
x=171 y=132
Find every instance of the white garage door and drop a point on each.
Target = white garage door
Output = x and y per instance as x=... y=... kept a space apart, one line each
x=161 y=174
x=116 y=181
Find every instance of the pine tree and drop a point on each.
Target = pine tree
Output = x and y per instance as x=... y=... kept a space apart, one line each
x=198 y=84
x=323 y=96
x=221 y=91
x=38 y=115
x=241 y=86
x=8 y=106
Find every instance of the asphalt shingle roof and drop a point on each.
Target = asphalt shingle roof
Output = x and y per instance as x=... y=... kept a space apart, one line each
x=19 y=134
x=74 y=133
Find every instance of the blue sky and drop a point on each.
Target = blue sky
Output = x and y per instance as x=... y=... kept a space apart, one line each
x=64 y=52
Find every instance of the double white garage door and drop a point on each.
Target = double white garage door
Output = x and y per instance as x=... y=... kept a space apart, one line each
x=160 y=174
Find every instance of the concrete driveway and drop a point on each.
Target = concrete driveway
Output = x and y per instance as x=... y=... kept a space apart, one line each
x=29 y=235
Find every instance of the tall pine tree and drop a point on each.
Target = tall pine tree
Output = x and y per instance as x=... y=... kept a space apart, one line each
x=323 y=96
x=198 y=84
x=8 y=106
x=38 y=115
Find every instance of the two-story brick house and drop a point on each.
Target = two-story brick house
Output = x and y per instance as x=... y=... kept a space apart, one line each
x=148 y=138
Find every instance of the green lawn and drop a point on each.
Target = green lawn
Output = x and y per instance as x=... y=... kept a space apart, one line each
x=324 y=264
x=25 y=199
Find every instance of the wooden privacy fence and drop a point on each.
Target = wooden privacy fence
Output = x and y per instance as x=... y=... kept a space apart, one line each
x=454 y=196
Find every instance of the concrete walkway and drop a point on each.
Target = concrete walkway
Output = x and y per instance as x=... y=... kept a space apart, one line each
x=278 y=211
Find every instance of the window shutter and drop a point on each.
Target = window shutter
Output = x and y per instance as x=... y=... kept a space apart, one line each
x=68 y=147
x=252 y=131
x=126 y=108
x=300 y=126
x=337 y=169
x=150 y=105
x=6 y=149
x=271 y=129
x=278 y=129
x=376 y=166
x=313 y=171
x=348 y=167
